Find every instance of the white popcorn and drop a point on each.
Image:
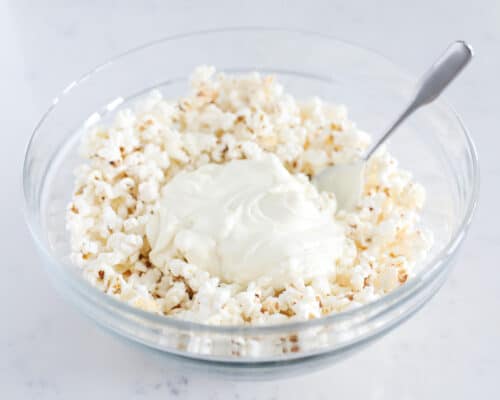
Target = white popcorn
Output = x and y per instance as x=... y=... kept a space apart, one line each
x=125 y=245
x=148 y=191
x=224 y=118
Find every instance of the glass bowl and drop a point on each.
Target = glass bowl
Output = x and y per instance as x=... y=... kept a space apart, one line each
x=434 y=145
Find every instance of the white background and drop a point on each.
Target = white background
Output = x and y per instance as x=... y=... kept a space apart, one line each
x=48 y=351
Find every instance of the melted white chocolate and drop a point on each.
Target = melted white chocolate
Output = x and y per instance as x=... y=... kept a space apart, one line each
x=244 y=221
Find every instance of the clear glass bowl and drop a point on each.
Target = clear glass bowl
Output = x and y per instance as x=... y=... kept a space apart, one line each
x=434 y=145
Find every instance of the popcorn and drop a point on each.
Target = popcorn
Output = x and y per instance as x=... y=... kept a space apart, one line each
x=148 y=191
x=224 y=118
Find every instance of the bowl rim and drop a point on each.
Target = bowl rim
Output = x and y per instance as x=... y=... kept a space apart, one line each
x=385 y=303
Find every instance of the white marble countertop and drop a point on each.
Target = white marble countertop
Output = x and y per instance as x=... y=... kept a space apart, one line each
x=48 y=351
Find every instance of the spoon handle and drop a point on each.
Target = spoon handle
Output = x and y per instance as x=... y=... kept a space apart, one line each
x=431 y=85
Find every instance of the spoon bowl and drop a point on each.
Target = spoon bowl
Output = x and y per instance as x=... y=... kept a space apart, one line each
x=345 y=180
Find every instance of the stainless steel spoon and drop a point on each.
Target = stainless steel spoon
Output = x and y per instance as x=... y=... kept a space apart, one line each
x=346 y=180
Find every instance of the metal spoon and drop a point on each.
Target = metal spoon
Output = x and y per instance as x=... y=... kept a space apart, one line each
x=346 y=180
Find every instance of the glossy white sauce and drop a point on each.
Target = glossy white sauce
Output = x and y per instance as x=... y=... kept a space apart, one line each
x=246 y=220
